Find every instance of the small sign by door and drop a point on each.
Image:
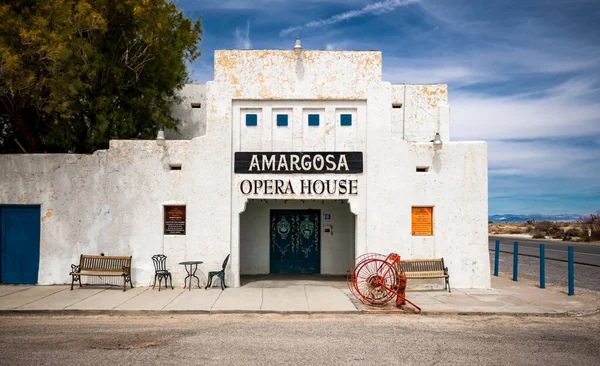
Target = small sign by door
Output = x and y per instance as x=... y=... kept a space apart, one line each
x=422 y=221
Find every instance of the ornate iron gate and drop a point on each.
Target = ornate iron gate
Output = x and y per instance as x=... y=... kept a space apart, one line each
x=295 y=241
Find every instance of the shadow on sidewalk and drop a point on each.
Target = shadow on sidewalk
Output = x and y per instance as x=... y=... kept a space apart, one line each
x=287 y=280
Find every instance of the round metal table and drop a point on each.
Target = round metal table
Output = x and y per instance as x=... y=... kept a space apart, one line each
x=190 y=267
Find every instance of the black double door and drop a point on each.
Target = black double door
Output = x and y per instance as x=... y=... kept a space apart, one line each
x=295 y=241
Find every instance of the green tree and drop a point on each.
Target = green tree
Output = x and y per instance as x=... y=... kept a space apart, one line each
x=76 y=73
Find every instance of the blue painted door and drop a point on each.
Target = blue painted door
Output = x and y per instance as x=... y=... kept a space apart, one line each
x=19 y=244
x=295 y=241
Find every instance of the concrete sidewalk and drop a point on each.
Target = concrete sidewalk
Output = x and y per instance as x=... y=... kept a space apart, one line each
x=506 y=297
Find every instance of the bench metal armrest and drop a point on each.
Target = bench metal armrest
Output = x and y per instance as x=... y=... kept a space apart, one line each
x=126 y=269
x=74 y=268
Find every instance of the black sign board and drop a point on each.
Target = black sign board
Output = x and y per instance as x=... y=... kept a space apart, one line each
x=334 y=162
x=174 y=220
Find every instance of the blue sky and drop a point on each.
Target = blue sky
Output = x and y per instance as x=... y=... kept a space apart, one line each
x=523 y=76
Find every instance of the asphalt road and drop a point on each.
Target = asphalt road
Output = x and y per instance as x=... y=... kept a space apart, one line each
x=299 y=340
x=584 y=253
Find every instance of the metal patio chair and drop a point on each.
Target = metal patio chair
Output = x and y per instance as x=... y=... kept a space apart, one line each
x=160 y=271
x=220 y=274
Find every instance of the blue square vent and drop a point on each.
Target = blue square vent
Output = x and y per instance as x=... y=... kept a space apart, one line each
x=346 y=119
x=282 y=120
x=251 y=120
x=313 y=119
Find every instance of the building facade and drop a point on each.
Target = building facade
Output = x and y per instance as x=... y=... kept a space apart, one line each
x=290 y=161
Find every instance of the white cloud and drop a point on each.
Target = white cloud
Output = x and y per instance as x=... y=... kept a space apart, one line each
x=242 y=37
x=576 y=87
x=544 y=158
x=564 y=110
x=557 y=115
x=484 y=65
x=534 y=42
x=258 y=4
x=342 y=45
x=375 y=8
x=232 y=4
x=456 y=75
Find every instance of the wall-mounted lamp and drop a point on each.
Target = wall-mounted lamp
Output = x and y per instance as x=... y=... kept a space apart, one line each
x=437 y=140
x=298 y=47
x=160 y=138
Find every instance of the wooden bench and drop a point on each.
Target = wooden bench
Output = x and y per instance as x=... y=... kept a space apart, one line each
x=101 y=266
x=426 y=268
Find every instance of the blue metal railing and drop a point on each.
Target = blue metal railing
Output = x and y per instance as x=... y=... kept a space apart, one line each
x=571 y=264
x=516 y=261
x=542 y=265
x=571 y=272
x=496 y=258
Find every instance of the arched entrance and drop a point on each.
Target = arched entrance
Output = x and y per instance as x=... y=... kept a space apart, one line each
x=297 y=237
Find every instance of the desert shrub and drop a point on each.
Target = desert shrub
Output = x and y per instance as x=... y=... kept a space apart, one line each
x=555 y=229
x=538 y=235
x=548 y=228
x=571 y=238
x=543 y=225
x=572 y=233
x=591 y=222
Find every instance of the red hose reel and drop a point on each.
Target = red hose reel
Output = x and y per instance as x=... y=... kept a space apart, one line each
x=376 y=279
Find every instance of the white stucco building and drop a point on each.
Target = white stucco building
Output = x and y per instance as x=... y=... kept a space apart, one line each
x=292 y=162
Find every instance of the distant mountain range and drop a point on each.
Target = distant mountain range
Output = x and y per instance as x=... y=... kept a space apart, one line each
x=523 y=218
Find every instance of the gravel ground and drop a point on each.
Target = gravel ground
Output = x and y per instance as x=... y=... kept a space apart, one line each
x=299 y=339
x=587 y=278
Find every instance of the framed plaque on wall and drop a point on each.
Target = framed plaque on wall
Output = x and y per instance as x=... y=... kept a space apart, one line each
x=175 y=220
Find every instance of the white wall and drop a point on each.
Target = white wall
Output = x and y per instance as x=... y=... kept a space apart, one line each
x=112 y=201
x=337 y=250
x=298 y=135
x=281 y=74
x=192 y=120
x=456 y=185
